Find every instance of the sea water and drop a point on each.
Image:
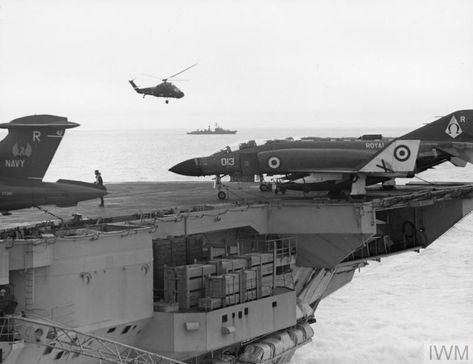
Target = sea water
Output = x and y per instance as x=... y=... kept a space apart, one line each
x=393 y=310
x=386 y=314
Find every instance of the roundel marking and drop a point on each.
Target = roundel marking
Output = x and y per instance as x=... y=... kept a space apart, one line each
x=402 y=153
x=274 y=162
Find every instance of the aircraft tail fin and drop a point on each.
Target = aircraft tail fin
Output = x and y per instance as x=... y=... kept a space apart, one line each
x=30 y=145
x=397 y=159
x=457 y=126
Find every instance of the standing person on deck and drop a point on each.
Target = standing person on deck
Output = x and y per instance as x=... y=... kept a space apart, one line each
x=99 y=181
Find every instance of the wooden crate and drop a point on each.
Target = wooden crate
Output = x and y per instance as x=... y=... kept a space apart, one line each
x=194 y=271
x=228 y=265
x=255 y=259
x=187 y=300
x=210 y=303
x=250 y=278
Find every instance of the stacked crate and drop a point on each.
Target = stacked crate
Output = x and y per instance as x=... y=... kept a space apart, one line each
x=264 y=262
x=229 y=289
x=185 y=284
x=221 y=282
x=229 y=265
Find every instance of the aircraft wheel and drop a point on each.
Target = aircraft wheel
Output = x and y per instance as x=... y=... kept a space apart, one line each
x=283 y=190
x=263 y=187
x=167 y=101
x=221 y=195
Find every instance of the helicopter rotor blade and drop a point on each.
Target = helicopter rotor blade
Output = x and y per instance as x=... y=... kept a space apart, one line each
x=176 y=80
x=179 y=72
x=152 y=76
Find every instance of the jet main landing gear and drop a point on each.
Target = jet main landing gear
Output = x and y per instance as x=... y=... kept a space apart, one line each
x=265 y=186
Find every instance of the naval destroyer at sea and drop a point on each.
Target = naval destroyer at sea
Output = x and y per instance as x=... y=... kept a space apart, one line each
x=216 y=131
x=165 y=274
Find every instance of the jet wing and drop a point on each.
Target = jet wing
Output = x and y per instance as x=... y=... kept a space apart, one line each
x=397 y=158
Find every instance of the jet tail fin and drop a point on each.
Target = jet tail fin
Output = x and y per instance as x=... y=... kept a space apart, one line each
x=30 y=145
x=397 y=159
x=457 y=126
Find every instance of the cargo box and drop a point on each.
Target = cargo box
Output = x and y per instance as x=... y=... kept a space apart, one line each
x=188 y=300
x=223 y=285
x=254 y=259
x=228 y=265
x=194 y=271
x=209 y=303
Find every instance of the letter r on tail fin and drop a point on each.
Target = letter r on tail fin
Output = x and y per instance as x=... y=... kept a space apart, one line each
x=457 y=126
x=30 y=145
x=397 y=159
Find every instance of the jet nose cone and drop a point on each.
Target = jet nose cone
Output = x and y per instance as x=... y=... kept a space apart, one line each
x=189 y=167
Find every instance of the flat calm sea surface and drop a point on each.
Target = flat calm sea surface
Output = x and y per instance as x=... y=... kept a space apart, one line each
x=385 y=315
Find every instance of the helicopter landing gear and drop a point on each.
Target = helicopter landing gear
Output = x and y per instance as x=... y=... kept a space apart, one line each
x=222 y=195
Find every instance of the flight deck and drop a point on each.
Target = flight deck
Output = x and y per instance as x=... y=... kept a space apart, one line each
x=128 y=198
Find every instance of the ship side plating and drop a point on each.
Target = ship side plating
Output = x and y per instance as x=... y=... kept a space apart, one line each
x=214 y=284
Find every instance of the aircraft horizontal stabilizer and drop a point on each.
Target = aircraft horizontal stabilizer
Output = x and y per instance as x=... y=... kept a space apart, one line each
x=459 y=150
x=398 y=158
x=80 y=183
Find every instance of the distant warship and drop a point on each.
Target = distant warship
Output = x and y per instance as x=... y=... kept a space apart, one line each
x=217 y=130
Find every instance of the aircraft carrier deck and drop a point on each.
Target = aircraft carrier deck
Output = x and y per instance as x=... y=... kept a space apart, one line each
x=127 y=198
x=167 y=272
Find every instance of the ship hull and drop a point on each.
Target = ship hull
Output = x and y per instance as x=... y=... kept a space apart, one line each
x=204 y=283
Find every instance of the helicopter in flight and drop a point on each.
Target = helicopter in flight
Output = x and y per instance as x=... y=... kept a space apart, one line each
x=165 y=89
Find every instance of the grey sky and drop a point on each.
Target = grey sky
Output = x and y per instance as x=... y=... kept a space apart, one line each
x=261 y=63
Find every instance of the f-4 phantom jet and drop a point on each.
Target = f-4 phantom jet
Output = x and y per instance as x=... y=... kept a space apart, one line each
x=25 y=155
x=342 y=164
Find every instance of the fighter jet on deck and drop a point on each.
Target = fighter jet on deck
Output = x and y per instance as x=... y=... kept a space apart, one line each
x=342 y=164
x=25 y=155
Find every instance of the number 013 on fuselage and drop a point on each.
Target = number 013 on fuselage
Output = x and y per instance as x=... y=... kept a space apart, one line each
x=314 y=164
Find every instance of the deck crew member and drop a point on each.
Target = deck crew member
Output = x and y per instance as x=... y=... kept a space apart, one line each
x=99 y=181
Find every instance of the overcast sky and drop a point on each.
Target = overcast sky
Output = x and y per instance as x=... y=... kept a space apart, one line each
x=260 y=63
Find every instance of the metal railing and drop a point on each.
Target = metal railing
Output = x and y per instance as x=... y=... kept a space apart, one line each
x=60 y=341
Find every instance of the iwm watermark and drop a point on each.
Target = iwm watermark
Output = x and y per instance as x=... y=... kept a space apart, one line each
x=448 y=352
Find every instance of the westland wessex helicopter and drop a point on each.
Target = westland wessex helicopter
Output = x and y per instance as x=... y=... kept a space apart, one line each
x=165 y=89
x=338 y=165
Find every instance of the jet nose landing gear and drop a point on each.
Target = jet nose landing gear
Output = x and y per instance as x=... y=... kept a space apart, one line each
x=221 y=194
